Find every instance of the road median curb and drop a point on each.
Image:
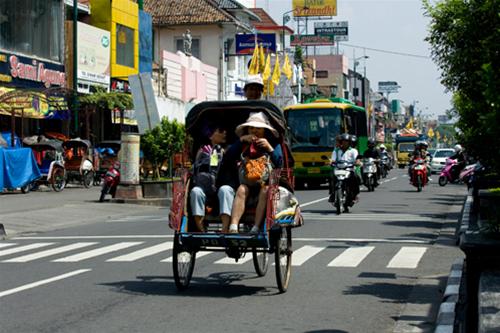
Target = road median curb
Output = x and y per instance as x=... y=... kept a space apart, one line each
x=446 y=316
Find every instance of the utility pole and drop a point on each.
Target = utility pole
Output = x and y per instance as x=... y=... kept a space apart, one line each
x=75 y=64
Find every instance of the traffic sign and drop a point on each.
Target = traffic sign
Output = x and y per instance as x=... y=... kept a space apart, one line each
x=340 y=30
x=388 y=86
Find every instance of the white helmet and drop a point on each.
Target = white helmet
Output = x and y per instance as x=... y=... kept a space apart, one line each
x=382 y=146
x=457 y=148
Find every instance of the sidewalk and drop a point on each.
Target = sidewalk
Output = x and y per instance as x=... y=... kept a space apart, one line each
x=46 y=210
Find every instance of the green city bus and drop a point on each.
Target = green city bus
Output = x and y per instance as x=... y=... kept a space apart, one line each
x=313 y=128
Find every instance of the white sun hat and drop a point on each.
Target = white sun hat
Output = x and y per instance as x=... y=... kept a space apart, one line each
x=256 y=119
x=254 y=79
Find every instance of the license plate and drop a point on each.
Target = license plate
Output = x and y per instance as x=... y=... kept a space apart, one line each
x=314 y=170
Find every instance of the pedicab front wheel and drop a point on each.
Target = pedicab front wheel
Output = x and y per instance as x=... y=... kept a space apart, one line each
x=183 y=264
x=260 y=261
x=283 y=258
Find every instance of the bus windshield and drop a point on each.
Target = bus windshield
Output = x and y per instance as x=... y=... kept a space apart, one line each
x=314 y=129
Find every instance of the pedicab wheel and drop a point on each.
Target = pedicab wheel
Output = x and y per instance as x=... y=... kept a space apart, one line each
x=283 y=258
x=260 y=261
x=338 y=201
x=419 y=183
x=442 y=181
x=58 y=180
x=88 y=178
x=183 y=264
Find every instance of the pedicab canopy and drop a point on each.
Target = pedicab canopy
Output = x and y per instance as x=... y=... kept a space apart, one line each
x=228 y=115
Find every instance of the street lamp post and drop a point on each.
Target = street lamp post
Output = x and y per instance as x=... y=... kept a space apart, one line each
x=286 y=18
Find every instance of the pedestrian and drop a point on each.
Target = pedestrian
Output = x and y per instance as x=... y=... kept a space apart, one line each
x=254 y=87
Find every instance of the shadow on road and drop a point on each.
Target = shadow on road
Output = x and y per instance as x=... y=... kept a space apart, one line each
x=217 y=285
x=326 y=331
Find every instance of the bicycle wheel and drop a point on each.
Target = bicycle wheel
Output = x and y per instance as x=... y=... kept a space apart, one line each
x=183 y=264
x=58 y=180
x=260 y=262
x=283 y=258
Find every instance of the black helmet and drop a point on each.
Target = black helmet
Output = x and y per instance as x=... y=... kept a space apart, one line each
x=354 y=138
x=371 y=141
x=345 y=137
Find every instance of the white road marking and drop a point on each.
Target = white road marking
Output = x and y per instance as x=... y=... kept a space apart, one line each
x=149 y=251
x=199 y=254
x=7 y=244
x=313 y=202
x=364 y=240
x=140 y=219
x=42 y=282
x=95 y=237
x=47 y=253
x=97 y=252
x=351 y=257
x=407 y=257
x=23 y=248
x=367 y=217
x=305 y=253
x=231 y=261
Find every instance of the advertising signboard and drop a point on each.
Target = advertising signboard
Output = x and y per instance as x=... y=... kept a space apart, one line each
x=311 y=40
x=93 y=56
x=388 y=86
x=302 y=8
x=340 y=30
x=245 y=43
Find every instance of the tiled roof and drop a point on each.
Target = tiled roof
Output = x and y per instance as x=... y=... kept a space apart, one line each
x=181 y=12
x=267 y=21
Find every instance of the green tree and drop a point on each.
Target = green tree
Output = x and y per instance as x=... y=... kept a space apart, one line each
x=465 y=40
x=162 y=142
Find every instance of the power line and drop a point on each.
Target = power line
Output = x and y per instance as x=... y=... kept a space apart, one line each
x=386 y=51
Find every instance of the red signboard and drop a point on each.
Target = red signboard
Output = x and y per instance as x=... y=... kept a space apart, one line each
x=311 y=40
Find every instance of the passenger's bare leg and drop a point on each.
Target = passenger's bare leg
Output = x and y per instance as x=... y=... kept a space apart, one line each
x=225 y=219
x=239 y=204
x=260 y=210
x=199 y=223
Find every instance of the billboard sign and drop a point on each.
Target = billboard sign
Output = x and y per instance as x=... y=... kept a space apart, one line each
x=388 y=86
x=94 y=49
x=340 y=30
x=245 y=43
x=304 y=8
x=311 y=40
x=146 y=110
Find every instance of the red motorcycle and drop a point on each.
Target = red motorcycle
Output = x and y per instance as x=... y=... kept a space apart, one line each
x=419 y=174
x=111 y=179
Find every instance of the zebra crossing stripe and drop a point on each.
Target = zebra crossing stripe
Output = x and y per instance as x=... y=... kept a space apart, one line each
x=6 y=244
x=47 y=253
x=407 y=257
x=149 y=251
x=305 y=253
x=351 y=257
x=23 y=248
x=97 y=252
x=199 y=254
x=231 y=261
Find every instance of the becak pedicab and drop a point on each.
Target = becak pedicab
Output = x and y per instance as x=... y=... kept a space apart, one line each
x=282 y=210
x=49 y=156
x=78 y=162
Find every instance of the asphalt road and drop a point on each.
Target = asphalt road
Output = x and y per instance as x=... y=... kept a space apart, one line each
x=380 y=268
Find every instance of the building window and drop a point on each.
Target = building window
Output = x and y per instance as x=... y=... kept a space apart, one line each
x=321 y=74
x=195 y=46
x=124 y=46
x=32 y=27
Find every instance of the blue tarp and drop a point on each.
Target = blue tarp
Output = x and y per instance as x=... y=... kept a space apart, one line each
x=7 y=136
x=17 y=167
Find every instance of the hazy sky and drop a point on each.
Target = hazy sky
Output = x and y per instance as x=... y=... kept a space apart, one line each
x=391 y=25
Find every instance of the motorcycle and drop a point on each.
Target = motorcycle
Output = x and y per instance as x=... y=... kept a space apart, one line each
x=338 y=185
x=419 y=174
x=111 y=179
x=467 y=174
x=369 y=173
x=384 y=165
x=446 y=174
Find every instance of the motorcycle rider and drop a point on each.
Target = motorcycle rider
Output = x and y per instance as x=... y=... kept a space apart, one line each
x=383 y=153
x=346 y=153
x=372 y=152
x=460 y=158
x=354 y=145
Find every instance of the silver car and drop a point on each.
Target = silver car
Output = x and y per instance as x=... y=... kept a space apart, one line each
x=439 y=159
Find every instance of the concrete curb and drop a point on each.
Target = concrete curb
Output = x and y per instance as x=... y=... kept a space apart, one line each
x=446 y=316
x=464 y=225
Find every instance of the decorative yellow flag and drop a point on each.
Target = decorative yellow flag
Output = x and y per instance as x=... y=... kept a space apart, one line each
x=275 y=79
x=254 y=64
x=287 y=68
x=410 y=124
x=438 y=136
x=262 y=59
x=267 y=68
x=430 y=133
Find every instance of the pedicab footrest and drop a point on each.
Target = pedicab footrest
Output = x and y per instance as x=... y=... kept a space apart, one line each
x=224 y=240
